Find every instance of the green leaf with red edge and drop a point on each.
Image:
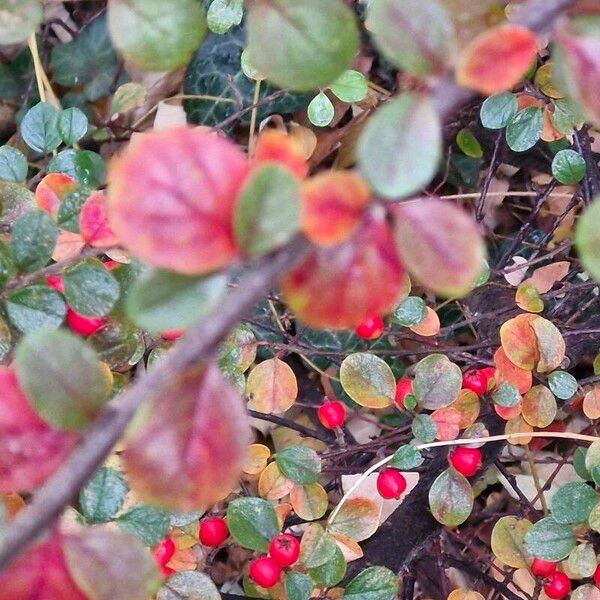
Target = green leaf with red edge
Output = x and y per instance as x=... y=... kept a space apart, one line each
x=332 y=206
x=41 y=569
x=93 y=222
x=30 y=450
x=587 y=238
x=267 y=210
x=368 y=380
x=439 y=244
x=497 y=59
x=271 y=387
x=46 y=362
x=451 y=498
x=108 y=564
x=358 y=519
x=172 y=195
x=301 y=44
x=416 y=35
x=437 y=381
x=539 y=406
x=195 y=457
x=52 y=190
x=401 y=145
x=577 y=63
x=339 y=286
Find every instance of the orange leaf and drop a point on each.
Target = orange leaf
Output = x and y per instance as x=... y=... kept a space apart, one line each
x=496 y=60
x=275 y=146
x=52 y=190
x=171 y=198
x=93 y=222
x=549 y=132
x=68 y=244
x=447 y=422
x=340 y=286
x=332 y=205
x=468 y=406
x=193 y=458
x=519 y=341
x=508 y=412
x=545 y=277
x=271 y=387
x=508 y=372
x=518 y=425
x=429 y=326
x=591 y=403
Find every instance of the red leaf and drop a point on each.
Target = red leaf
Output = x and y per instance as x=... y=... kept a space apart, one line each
x=51 y=191
x=93 y=222
x=189 y=450
x=40 y=573
x=497 y=59
x=439 y=244
x=340 y=286
x=30 y=450
x=332 y=205
x=171 y=198
x=274 y=146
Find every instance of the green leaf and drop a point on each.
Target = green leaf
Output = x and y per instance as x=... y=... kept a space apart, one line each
x=128 y=97
x=568 y=167
x=566 y=116
x=5 y=339
x=468 y=143
x=400 y=146
x=89 y=60
x=298 y=586
x=70 y=208
x=550 y=540
x=498 y=111
x=156 y=35
x=19 y=19
x=33 y=239
x=117 y=343
x=62 y=377
x=252 y=523
x=147 y=523
x=87 y=168
x=72 y=125
x=163 y=300
x=368 y=380
x=451 y=498
x=103 y=495
x=301 y=44
x=407 y=457
x=506 y=395
x=423 y=426
x=415 y=35
x=374 y=583
x=579 y=464
x=524 y=129
x=320 y=110
x=437 y=382
x=411 y=311
x=330 y=573
x=299 y=463
x=224 y=14
x=13 y=164
x=573 y=502
x=317 y=546
x=587 y=238
x=216 y=70
x=90 y=289
x=39 y=128
x=189 y=585
x=350 y=86
x=562 y=384
x=35 y=306
x=267 y=210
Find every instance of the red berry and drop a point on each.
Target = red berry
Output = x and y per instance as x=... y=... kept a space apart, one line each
x=83 y=325
x=284 y=550
x=332 y=414
x=56 y=283
x=213 y=531
x=109 y=265
x=466 y=460
x=390 y=484
x=475 y=381
x=403 y=389
x=371 y=328
x=542 y=568
x=557 y=585
x=172 y=334
x=164 y=552
x=597 y=576
x=264 y=572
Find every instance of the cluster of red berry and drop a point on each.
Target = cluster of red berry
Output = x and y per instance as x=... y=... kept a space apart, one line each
x=556 y=584
x=284 y=551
